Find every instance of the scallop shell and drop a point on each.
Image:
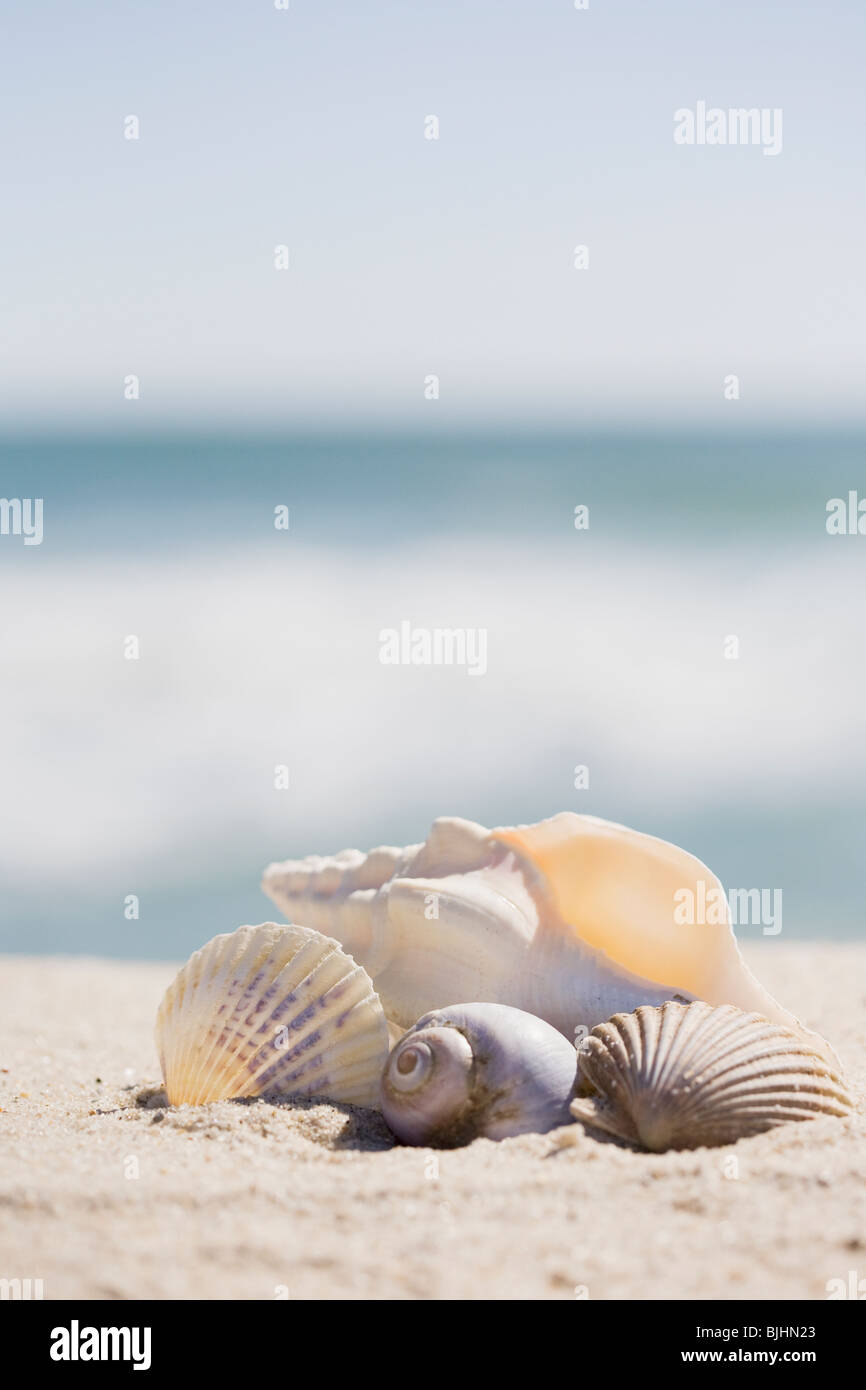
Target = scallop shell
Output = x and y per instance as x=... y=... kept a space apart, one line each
x=477 y=1070
x=271 y=1010
x=574 y=919
x=689 y=1076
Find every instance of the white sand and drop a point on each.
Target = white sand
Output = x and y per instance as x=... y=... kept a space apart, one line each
x=314 y=1201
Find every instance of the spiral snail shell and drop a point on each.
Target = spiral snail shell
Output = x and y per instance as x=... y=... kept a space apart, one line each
x=477 y=1070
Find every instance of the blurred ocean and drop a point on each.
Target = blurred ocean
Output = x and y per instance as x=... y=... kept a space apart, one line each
x=260 y=648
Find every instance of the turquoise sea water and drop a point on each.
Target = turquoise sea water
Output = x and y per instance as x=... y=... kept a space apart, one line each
x=260 y=648
x=357 y=488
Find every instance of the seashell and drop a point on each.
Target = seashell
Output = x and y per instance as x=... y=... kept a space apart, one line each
x=574 y=919
x=271 y=1010
x=689 y=1076
x=475 y=1070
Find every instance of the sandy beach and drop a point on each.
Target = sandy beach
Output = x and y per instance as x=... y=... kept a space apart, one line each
x=107 y=1194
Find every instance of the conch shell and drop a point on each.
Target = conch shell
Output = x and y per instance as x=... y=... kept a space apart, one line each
x=271 y=1010
x=573 y=919
x=689 y=1076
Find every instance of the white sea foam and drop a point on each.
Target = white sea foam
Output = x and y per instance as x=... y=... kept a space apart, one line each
x=250 y=662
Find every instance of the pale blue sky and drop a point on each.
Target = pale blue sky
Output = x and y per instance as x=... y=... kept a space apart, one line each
x=412 y=257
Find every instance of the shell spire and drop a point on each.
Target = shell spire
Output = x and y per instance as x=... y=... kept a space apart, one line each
x=336 y=894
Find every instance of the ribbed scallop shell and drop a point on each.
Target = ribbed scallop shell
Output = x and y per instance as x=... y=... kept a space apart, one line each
x=271 y=1010
x=687 y=1075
